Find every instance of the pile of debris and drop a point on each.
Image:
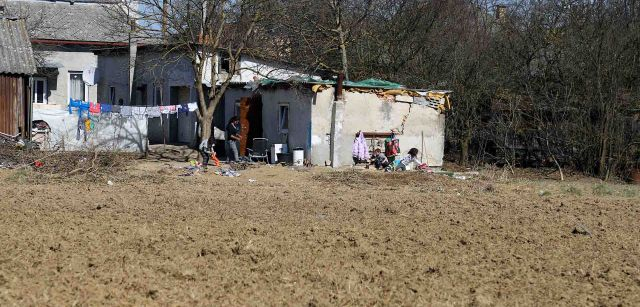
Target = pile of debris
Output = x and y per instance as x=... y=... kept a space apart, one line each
x=15 y=155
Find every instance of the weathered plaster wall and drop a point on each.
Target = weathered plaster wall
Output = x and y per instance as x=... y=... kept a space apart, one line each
x=300 y=103
x=321 y=126
x=154 y=69
x=109 y=133
x=66 y=59
x=114 y=71
x=231 y=97
x=366 y=112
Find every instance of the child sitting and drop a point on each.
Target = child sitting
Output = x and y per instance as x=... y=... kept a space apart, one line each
x=401 y=165
x=379 y=159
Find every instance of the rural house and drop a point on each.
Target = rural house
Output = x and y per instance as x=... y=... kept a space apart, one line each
x=164 y=79
x=64 y=37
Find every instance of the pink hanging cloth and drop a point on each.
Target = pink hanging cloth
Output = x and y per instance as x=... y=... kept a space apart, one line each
x=94 y=107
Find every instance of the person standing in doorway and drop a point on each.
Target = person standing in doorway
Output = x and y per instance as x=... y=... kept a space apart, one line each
x=232 y=139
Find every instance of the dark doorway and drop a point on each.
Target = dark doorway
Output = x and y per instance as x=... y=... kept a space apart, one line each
x=177 y=95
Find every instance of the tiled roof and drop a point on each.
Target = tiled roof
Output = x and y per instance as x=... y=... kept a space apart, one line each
x=87 y=20
x=16 y=56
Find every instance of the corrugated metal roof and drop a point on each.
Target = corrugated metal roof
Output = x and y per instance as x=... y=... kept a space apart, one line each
x=89 y=20
x=16 y=56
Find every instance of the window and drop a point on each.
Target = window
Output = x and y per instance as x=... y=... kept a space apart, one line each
x=283 y=118
x=76 y=86
x=112 y=95
x=157 y=95
x=223 y=62
x=141 y=96
x=236 y=108
x=39 y=90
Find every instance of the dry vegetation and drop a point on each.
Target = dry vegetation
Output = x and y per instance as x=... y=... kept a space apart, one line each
x=37 y=166
x=317 y=237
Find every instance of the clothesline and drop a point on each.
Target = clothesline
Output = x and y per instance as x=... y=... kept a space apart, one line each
x=94 y=108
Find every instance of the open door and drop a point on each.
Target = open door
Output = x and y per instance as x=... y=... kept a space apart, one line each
x=251 y=121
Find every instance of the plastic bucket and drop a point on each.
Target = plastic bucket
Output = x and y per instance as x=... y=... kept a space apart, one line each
x=298 y=157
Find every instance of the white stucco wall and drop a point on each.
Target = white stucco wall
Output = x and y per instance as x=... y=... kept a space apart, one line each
x=109 y=133
x=366 y=112
x=68 y=61
x=251 y=67
x=310 y=122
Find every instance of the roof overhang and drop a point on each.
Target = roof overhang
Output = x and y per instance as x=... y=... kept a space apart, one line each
x=70 y=42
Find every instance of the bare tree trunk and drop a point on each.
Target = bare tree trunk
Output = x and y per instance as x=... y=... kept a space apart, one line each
x=604 y=149
x=555 y=161
x=343 y=51
x=337 y=6
x=205 y=130
x=464 y=146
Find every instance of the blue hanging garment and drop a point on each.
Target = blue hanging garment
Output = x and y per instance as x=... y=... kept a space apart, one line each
x=84 y=106
x=74 y=104
x=105 y=108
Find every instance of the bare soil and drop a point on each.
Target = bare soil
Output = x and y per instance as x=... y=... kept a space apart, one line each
x=316 y=237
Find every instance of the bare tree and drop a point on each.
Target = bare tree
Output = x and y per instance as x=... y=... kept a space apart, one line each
x=204 y=31
x=318 y=34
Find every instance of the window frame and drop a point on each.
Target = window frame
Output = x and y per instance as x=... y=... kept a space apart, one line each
x=224 y=60
x=157 y=96
x=281 y=107
x=86 y=87
x=44 y=80
x=112 y=95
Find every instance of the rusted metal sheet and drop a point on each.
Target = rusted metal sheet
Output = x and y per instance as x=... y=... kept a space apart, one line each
x=14 y=105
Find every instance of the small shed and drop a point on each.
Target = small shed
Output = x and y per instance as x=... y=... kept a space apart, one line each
x=17 y=64
x=307 y=114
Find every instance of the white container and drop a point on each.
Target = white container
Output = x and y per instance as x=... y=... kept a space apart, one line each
x=298 y=157
x=275 y=150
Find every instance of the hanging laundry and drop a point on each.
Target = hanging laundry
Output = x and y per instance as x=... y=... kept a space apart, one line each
x=81 y=129
x=139 y=112
x=192 y=106
x=84 y=106
x=184 y=108
x=172 y=109
x=94 y=107
x=360 y=151
x=87 y=125
x=126 y=111
x=116 y=109
x=89 y=75
x=105 y=108
x=164 y=110
x=153 y=112
x=74 y=104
